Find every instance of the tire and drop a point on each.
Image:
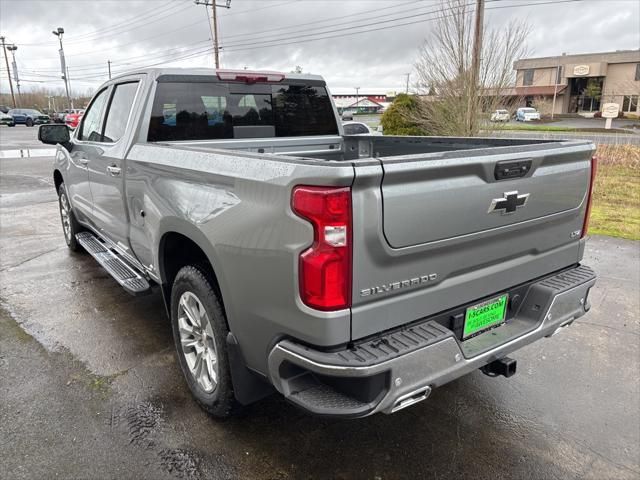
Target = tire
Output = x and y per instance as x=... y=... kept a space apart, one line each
x=70 y=226
x=192 y=296
x=29 y=122
x=12 y=124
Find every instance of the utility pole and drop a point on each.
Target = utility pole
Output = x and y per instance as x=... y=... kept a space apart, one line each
x=407 y=89
x=12 y=49
x=109 y=65
x=63 y=64
x=555 y=91
x=13 y=97
x=475 y=64
x=214 y=18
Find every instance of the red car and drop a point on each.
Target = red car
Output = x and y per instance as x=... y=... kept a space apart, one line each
x=72 y=119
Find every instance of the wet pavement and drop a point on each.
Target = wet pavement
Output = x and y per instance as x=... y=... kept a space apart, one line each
x=90 y=387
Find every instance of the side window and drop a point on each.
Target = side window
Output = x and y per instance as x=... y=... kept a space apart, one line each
x=91 y=125
x=119 y=110
x=349 y=129
x=361 y=129
x=527 y=77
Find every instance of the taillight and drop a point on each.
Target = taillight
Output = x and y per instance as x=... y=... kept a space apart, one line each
x=594 y=168
x=325 y=267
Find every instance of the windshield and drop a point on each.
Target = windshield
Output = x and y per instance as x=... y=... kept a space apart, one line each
x=528 y=110
x=210 y=111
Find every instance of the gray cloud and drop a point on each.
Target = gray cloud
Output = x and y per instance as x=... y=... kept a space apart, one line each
x=138 y=33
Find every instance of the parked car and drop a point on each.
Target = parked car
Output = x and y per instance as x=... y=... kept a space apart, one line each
x=358 y=128
x=61 y=116
x=347 y=115
x=527 y=114
x=72 y=119
x=500 y=116
x=28 y=117
x=351 y=274
x=7 y=120
x=4 y=108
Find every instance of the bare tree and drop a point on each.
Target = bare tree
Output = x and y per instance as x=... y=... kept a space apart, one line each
x=444 y=66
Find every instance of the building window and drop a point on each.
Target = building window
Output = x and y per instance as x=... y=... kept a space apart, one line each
x=630 y=103
x=527 y=77
x=637 y=72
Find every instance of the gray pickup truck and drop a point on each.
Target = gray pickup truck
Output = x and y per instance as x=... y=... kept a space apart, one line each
x=352 y=274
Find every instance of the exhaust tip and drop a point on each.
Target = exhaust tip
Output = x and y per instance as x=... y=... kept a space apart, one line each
x=411 y=399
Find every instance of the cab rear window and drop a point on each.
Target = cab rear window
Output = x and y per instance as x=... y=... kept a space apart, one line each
x=212 y=111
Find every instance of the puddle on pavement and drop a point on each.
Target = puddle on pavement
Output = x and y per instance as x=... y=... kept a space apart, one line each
x=28 y=153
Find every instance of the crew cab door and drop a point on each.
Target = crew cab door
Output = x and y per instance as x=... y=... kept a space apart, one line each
x=86 y=145
x=106 y=165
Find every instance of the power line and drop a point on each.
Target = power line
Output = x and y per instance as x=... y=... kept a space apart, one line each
x=260 y=45
x=193 y=53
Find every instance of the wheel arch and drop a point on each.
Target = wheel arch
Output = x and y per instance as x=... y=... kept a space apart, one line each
x=181 y=244
x=57 y=179
x=187 y=246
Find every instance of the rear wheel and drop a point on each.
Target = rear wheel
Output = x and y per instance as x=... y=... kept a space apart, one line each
x=70 y=226
x=200 y=332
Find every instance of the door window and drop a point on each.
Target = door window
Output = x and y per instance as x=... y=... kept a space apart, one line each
x=91 y=127
x=355 y=129
x=119 y=110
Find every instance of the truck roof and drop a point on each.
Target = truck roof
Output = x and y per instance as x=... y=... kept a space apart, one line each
x=156 y=72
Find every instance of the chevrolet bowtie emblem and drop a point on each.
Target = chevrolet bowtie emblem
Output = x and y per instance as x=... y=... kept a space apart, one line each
x=509 y=203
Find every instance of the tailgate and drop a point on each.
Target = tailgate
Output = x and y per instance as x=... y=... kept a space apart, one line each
x=432 y=232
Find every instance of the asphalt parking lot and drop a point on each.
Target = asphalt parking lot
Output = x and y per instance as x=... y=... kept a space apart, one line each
x=90 y=387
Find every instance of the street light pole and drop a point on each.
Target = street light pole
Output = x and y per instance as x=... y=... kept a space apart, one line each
x=69 y=82
x=407 y=89
x=63 y=64
x=6 y=59
x=214 y=18
x=357 y=99
x=109 y=65
x=12 y=49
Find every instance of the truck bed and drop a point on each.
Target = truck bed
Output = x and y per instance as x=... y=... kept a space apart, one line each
x=346 y=148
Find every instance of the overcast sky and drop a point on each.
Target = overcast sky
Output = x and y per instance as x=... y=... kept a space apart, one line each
x=280 y=34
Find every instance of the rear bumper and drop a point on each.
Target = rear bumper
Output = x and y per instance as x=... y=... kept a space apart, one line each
x=398 y=369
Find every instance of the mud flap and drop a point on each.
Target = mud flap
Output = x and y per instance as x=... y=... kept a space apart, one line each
x=248 y=387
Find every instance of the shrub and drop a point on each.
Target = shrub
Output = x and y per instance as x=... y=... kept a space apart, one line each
x=396 y=119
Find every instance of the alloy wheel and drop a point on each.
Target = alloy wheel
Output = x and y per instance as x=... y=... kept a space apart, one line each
x=65 y=211
x=197 y=341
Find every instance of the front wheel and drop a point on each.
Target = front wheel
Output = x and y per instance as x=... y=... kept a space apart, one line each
x=29 y=122
x=70 y=226
x=200 y=332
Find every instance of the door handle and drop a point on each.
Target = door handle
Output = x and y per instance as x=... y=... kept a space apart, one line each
x=83 y=160
x=113 y=170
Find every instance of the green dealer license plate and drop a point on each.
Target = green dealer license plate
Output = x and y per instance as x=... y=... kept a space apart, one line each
x=484 y=315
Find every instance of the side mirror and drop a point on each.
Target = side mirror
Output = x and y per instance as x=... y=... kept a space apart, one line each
x=52 y=134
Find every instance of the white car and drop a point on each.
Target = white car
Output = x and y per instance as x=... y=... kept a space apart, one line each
x=500 y=116
x=527 y=114
x=358 y=128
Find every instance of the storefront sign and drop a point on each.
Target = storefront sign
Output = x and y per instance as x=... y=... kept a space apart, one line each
x=581 y=70
x=610 y=110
